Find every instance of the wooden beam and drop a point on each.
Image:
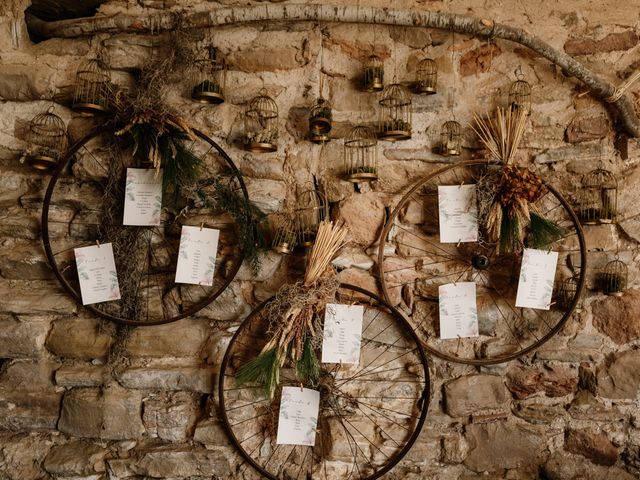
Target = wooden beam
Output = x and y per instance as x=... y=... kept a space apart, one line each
x=623 y=107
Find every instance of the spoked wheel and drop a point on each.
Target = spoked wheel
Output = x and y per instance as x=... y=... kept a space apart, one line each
x=413 y=264
x=83 y=206
x=370 y=413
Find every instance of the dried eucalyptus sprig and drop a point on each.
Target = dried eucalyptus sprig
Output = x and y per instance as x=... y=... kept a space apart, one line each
x=294 y=318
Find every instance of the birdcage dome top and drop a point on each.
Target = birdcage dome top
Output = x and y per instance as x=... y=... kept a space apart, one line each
x=263 y=106
x=395 y=95
x=360 y=136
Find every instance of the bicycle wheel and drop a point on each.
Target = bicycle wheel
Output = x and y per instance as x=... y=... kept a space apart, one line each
x=370 y=413
x=83 y=205
x=413 y=264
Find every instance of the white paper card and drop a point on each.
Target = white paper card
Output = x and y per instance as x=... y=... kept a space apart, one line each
x=143 y=197
x=458 y=310
x=97 y=274
x=197 y=255
x=458 y=213
x=537 y=274
x=342 y=333
x=298 y=417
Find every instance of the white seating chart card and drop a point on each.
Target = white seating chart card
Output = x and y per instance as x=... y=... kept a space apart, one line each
x=458 y=213
x=143 y=197
x=458 y=310
x=97 y=274
x=298 y=419
x=197 y=255
x=537 y=274
x=342 y=333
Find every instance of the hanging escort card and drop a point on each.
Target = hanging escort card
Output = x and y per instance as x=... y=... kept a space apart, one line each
x=298 y=417
x=97 y=274
x=342 y=333
x=197 y=255
x=458 y=213
x=458 y=310
x=537 y=274
x=143 y=197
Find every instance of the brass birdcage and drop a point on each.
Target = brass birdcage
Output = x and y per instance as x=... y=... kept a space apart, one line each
x=520 y=95
x=261 y=124
x=451 y=139
x=426 y=77
x=360 y=155
x=47 y=139
x=284 y=237
x=395 y=113
x=313 y=209
x=373 y=75
x=613 y=278
x=209 y=78
x=598 y=197
x=92 y=89
x=566 y=294
x=320 y=121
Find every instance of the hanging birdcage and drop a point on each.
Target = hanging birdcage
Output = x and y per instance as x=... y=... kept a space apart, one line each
x=613 y=278
x=373 y=75
x=313 y=209
x=92 y=89
x=261 y=124
x=520 y=95
x=395 y=113
x=320 y=121
x=47 y=139
x=284 y=237
x=209 y=78
x=566 y=294
x=426 y=77
x=360 y=155
x=450 y=138
x=598 y=197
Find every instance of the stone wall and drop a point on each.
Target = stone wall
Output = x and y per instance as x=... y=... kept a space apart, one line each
x=567 y=411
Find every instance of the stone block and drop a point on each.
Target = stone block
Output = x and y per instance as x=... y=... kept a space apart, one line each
x=473 y=393
x=596 y=446
x=610 y=43
x=112 y=413
x=479 y=59
x=620 y=376
x=171 y=417
x=22 y=456
x=553 y=381
x=587 y=127
x=81 y=375
x=364 y=216
x=192 y=379
x=24 y=262
x=355 y=258
x=561 y=466
x=27 y=297
x=80 y=337
x=230 y=305
x=178 y=339
x=76 y=458
x=267 y=194
x=24 y=336
x=210 y=432
x=618 y=317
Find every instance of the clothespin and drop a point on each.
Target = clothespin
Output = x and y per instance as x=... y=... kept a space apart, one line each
x=201 y=225
x=301 y=387
x=98 y=243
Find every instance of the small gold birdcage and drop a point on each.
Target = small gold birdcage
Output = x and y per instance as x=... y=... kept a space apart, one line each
x=426 y=77
x=395 y=113
x=320 y=121
x=284 y=237
x=47 y=139
x=373 y=75
x=360 y=155
x=598 y=197
x=92 y=89
x=313 y=209
x=520 y=95
x=451 y=139
x=209 y=78
x=566 y=294
x=261 y=124
x=613 y=278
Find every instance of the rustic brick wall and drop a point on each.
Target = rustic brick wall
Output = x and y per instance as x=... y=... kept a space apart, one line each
x=70 y=408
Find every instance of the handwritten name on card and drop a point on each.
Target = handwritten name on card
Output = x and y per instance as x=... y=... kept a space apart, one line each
x=342 y=333
x=537 y=274
x=197 y=255
x=97 y=274
x=458 y=310
x=143 y=197
x=298 y=418
x=457 y=213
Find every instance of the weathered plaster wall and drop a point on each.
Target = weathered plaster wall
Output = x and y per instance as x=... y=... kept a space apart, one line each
x=69 y=410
